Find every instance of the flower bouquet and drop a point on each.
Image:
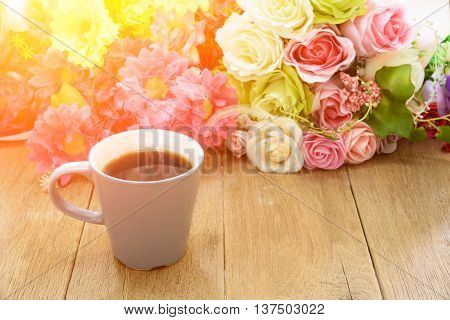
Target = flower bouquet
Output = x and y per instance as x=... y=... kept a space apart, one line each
x=332 y=82
x=291 y=84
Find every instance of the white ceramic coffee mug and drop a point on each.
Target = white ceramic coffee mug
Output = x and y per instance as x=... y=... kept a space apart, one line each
x=148 y=222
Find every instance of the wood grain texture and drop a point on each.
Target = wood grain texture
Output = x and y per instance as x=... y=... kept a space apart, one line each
x=294 y=237
x=37 y=243
x=404 y=203
x=254 y=235
x=198 y=275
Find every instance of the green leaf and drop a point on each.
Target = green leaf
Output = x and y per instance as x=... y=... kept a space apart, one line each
x=418 y=134
x=396 y=82
x=444 y=134
x=391 y=116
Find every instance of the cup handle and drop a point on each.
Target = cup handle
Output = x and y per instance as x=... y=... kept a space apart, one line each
x=84 y=169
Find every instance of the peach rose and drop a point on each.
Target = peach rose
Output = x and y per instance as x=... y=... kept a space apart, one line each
x=323 y=153
x=360 y=143
x=319 y=55
x=387 y=145
x=237 y=143
x=383 y=28
x=329 y=107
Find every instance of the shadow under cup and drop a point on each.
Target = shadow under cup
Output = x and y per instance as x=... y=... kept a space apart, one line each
x=148 y=222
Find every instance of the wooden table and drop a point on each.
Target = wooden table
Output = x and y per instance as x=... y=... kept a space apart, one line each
x=373 y=231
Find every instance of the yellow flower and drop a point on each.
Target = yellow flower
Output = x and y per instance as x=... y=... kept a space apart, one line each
x=27 y=44
x=25 y=39
x=179 y=33
x=84 y=29
x=181 y=7
x=134 y=17
x=242 y=89
x=38 y=12
x=282 y=93
x=25 y=51
x=337 y=11
x=289 y=18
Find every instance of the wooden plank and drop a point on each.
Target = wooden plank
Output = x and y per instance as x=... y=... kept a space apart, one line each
x=403 y=200
x=198 y=275
x=38 y=243
x=293 y=237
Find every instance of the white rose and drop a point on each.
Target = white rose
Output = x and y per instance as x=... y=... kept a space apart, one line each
x=394 y=59
x=427 y=42
x=289 y=18
x=249 y=50
x=276 y=146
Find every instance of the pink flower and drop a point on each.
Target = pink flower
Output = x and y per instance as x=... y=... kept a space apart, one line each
x=384 y=27
x=360 y=143
x=103 y=97
x=108 y=107
x=158 y=114
x=319 y=55
x=48 y=73
x=51 y=70
x=358 y=93
x=387 y=145
x=61 y=135
x=329 y=109
x=237 y=143
x=107 y=102
x=201 y=96
x=101 y=88
x=146 y=86
x=152 y=72
x=122 y=49
x=17 y=110
x=323 y=153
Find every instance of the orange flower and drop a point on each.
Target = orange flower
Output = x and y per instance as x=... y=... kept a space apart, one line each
x=210 y=52
x=17 y=111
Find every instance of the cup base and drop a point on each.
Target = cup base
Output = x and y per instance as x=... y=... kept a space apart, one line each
x=140 y=268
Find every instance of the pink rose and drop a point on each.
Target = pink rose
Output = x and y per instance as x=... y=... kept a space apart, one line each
x=388 y=144
x=360 y=143
x=237 y=143
x=323 y=153
x=319 y=55
x=329 y=109
x=383 y=28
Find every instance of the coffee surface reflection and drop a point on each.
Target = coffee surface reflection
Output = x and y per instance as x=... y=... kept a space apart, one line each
x=148 y=165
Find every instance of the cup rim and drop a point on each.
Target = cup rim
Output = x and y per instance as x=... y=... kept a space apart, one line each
x=183 y=175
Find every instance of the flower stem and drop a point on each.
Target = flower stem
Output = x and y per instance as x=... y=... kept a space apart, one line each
x=447 y=117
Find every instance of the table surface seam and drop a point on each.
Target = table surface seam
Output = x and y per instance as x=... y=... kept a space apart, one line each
x=91 y=194
x=377 y=276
